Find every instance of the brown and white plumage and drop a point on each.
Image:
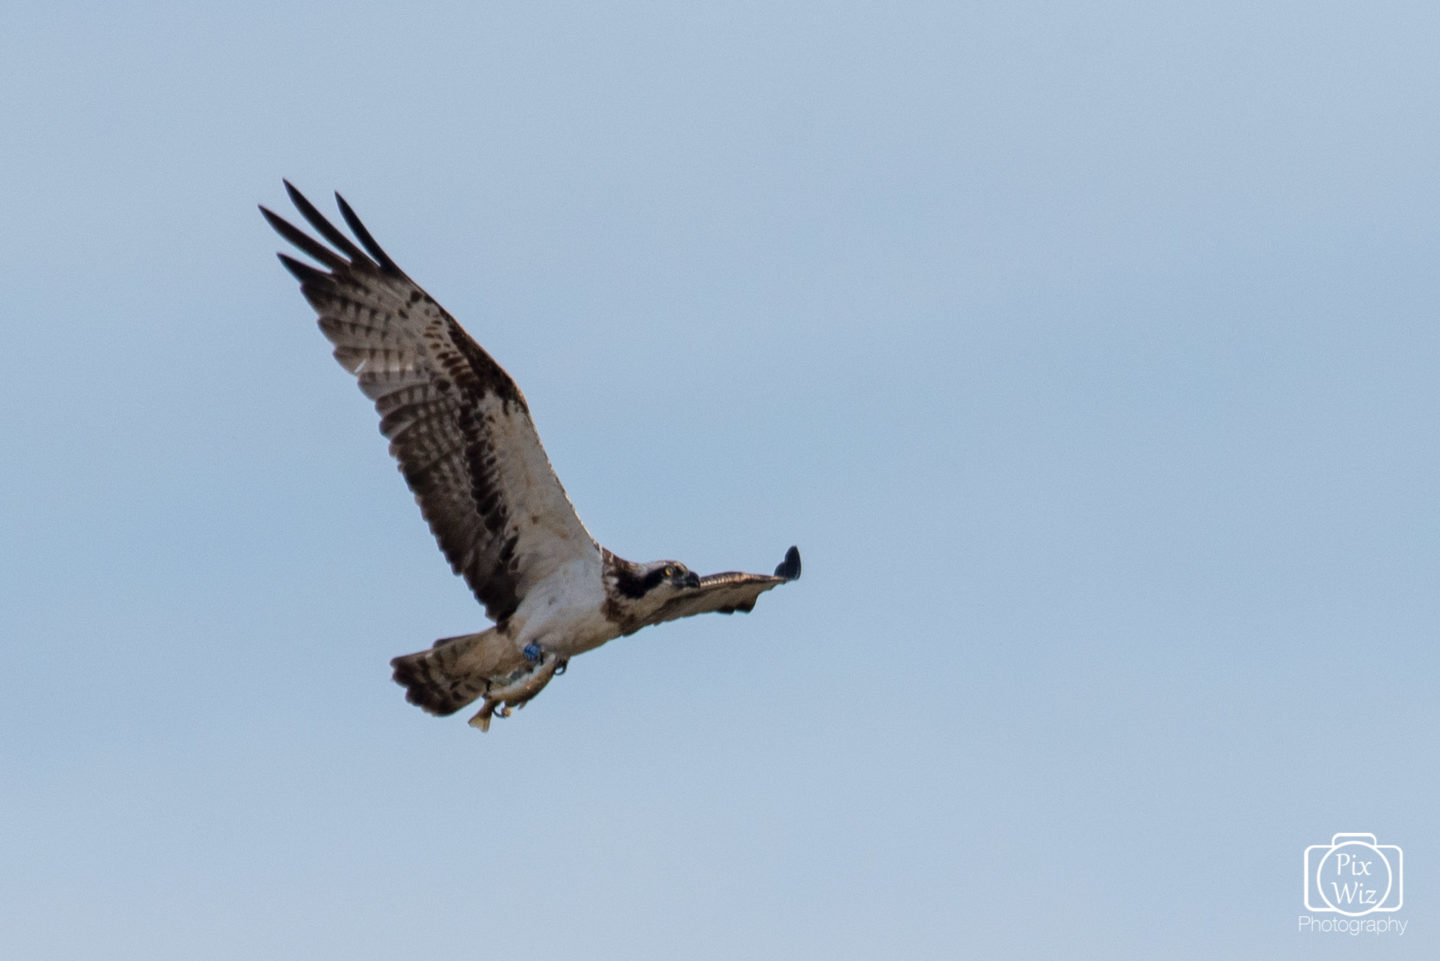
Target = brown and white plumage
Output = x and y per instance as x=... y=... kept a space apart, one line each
x=461 y=432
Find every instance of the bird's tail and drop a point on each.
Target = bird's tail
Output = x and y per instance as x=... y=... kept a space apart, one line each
x=455 y=672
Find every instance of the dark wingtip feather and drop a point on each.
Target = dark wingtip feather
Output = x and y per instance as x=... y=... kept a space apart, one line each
x=364 y=236
x=327 y=230
x=303 y=240
x=296 y=197
x=790 y=567
x=302 y=271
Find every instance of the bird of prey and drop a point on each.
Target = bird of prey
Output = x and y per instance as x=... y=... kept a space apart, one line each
x=462 y=434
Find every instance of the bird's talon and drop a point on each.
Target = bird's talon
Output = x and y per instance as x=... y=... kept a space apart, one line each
x=562 y=667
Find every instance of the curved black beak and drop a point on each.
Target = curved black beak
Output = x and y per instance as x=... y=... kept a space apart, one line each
x=692 y=580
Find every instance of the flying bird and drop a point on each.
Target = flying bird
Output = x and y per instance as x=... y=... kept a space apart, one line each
x=461 y=431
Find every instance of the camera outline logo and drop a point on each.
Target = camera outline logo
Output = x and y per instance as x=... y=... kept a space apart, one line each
x=1354 y=876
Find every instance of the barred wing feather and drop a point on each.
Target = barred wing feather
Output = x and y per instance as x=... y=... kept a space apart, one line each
x=458 y=424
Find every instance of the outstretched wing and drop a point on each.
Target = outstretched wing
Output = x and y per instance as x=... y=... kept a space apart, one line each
x=457 y=423
x=728 y=592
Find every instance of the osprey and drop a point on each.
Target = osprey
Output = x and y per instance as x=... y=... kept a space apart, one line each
x=461 y=431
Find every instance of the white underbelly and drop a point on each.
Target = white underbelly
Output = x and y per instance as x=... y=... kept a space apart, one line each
x=565 y=613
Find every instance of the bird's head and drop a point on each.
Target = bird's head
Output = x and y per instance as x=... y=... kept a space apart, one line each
x=656 y=581
x=671 y=576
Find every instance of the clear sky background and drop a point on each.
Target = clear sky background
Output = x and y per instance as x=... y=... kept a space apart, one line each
x=1088 y=352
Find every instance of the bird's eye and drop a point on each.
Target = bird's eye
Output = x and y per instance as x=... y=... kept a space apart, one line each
x=669 y=571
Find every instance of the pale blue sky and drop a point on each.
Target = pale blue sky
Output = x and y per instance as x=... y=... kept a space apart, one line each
x=1089 y=354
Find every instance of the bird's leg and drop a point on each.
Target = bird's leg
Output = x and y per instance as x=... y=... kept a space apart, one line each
x=518 y=689
x=532 y=652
